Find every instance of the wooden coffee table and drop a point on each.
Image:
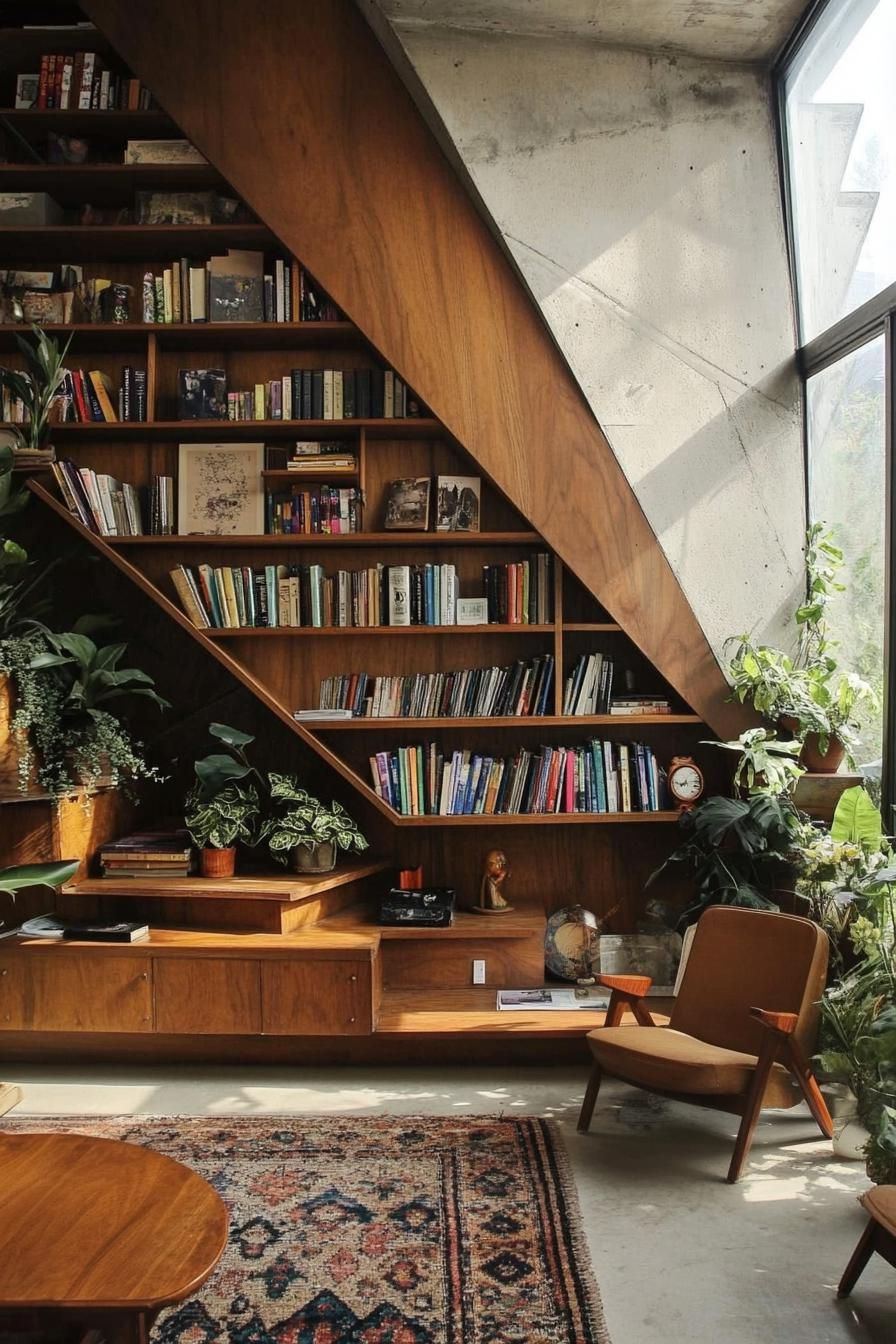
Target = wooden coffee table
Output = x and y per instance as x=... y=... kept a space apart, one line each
x=100 y=1234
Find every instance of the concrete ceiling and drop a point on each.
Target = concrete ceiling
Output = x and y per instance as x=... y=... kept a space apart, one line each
x=726 y=30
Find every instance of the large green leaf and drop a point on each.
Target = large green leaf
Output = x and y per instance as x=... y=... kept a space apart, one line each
x=856 y=818
x=37 y=875
x=216 y=772
x=232 y=736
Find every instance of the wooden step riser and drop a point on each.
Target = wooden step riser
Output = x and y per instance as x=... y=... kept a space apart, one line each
x=208 y=914
x=428 y=964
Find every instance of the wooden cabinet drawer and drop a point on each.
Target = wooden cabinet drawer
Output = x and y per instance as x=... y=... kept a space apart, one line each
x=207 y=996
x=317 y=998
x=52 y=990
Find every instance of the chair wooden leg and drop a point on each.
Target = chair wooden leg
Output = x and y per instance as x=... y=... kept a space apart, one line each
x=858 y=1260
x=752 y=1107
x=799 y=1067
x=591 y=1092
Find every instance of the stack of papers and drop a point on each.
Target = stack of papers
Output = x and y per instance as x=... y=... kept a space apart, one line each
x=552 y=1000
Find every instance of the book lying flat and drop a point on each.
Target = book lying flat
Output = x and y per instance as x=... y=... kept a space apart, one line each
x=593 y=1000
x=49 y=926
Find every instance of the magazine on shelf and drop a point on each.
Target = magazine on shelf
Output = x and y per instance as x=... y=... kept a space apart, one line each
x=593 y=999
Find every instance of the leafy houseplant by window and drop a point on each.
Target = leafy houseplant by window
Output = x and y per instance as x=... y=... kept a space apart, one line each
x=805 y=693
x=302 y=831
x=222 y=810
x=37 y=386
x=66 y=687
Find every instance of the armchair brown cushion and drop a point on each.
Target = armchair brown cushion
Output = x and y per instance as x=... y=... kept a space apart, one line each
x=881 y=1204
x=665 y=1060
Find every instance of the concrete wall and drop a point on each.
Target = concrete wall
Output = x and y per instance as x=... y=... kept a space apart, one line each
x=639 y=197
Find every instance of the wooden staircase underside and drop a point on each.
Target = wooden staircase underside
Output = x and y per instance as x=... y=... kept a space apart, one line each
x=300 y=110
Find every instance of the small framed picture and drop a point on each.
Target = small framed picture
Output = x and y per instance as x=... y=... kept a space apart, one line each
x=472 y=611
x=457 y=503
x=220 y=489
x=174 y=207
x=201 y=394
x=407 y=504
x=27 y=87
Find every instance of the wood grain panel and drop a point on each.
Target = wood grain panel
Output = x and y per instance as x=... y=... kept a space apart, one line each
x=209 y=997
x=88 y=990
x=420 y=273
x=304 y=998
x=510 y=963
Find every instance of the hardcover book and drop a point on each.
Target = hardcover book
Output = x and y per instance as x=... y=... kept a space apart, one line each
x=457 y=503
x=202 y=394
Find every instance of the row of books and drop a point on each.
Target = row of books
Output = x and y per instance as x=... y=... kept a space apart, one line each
x=114 y=508
x=79 y=80
x=521 y=689
x=90 y=396
x=521 y=592
x=328 y=509
x=589 y=686
x=596 y=777
x=381 y=595
x=302 y=394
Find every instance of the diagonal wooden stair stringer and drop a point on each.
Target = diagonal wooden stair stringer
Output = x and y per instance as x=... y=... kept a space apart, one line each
x=214 y=650
x=300 y=110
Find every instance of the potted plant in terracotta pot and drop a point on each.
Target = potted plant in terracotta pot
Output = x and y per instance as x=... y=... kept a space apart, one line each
x=303 y=832
x=222 y=808
x=38 y=388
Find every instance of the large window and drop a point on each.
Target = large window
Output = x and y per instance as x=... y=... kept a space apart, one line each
x=847 y=488
x=838 y=120
x=840 y=107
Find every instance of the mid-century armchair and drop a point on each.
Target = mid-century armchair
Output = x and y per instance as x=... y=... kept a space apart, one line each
x=742 y=1028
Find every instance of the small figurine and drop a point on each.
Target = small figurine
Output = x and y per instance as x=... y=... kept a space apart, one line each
x=494 y=874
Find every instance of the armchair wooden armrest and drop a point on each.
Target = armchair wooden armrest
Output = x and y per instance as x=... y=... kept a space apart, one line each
x=628 y=993
x=783 y=1023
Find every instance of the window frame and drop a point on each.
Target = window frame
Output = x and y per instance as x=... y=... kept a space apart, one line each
x=876 y=317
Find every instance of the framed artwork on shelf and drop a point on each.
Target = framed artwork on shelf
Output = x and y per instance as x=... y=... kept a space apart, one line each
x=407 y=505
x=219 y=489
x=457 y=503
x=27 y=89
x=201 y=394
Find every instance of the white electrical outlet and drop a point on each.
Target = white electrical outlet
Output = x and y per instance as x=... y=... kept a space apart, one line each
x=478 y=972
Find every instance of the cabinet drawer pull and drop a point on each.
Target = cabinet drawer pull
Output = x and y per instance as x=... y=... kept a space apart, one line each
x=351 y=977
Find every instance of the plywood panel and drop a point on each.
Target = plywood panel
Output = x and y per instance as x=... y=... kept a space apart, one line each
x=307 y=998
x=420 y=273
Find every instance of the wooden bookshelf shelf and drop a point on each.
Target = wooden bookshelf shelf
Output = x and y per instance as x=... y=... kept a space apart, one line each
x=299 y=540
x=319 y=474
x=68 y=182
x=527 y=721
x=303 y=631
x=592 y=627
x=34 y=122
x=194 y=335
x=87 y=242
x=221 y=430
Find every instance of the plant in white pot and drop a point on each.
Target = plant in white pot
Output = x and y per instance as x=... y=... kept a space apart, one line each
x=38 y=387
x=222 y=808
x=303 y=832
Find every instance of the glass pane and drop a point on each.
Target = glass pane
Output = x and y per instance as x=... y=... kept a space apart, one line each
x=840 y=97
x=847 y=490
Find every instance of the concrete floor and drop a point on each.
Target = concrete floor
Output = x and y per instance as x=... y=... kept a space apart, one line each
x=680 y=1256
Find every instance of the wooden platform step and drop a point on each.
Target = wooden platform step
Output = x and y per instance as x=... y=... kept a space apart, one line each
x=450 y=1012
x=267 y=902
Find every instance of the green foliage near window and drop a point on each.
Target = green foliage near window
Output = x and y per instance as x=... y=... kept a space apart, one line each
x=765 y=764
x=806 y=691
x=37 y=385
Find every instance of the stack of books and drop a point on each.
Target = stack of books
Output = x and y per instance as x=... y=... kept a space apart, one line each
x=79 y=80
x=628 y=706
x=148 y=853
x=321 y=509
x=316 y=457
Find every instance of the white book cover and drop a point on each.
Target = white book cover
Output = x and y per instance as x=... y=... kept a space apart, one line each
x=399 y=595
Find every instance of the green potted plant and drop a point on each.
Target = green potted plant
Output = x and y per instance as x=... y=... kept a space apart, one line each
x=805 y=693
x=303 y=832
x=24 y=875
x=37 y=386
x=765 y=764
x=67 y=688
x=221 y=808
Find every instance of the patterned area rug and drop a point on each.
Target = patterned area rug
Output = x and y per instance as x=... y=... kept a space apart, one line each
x=398 y=1230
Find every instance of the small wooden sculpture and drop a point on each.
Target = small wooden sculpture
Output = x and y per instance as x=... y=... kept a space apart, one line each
x=494 y=873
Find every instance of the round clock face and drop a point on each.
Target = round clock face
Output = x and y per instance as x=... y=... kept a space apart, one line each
x=685 y=783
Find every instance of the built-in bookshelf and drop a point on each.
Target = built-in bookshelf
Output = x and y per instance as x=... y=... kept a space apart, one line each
x=291 y=660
